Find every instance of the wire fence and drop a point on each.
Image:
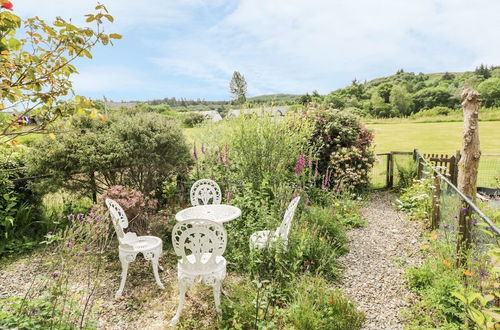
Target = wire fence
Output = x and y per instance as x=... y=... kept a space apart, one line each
x=451 y=209
x=390 y=167
x=489 y=171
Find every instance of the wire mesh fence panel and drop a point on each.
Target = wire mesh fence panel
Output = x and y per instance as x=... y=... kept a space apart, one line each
x=489 y=171
x=449 y=206
x=484 y=233
x=405 y=170
x=379 y=171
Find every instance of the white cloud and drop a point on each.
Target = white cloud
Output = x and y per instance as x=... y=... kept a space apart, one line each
x=298 y=46
x=292 y=45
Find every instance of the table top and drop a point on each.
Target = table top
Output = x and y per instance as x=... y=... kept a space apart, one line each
x=216 y=212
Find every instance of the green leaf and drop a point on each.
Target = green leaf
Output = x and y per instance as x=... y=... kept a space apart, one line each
x=460 y=297
x=86 y=53
x=115 y=36
x=13 y=44
x=494 y=315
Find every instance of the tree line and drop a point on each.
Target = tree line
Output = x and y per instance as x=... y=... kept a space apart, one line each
x=407 y=93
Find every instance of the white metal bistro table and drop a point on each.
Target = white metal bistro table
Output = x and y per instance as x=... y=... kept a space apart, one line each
x=216 y=212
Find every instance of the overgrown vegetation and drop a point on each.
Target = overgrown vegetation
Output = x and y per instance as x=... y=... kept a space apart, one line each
x=451 y=296
x=260 y=164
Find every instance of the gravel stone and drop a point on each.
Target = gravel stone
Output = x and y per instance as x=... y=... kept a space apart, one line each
x=375 y=265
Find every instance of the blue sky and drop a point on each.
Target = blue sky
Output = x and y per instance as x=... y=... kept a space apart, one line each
x=190 y=48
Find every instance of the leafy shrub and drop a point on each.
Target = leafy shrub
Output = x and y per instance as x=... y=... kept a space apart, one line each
x=140 y=151
x=416 y=200
x=315 y=251
x=407 y=173
x=316 y=306
x=193 y=119
x=311 y=305
x=435 y=111
x=21 y=224
x=437 y=307
x=343 y=147
x=265 y=148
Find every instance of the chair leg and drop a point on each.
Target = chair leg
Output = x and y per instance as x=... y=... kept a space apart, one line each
x=154 y=261
x=184 y=284
x=125 y=260
x=217 y=290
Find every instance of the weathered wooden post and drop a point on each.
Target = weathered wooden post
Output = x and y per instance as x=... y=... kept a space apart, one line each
x=390 y=170
x=468 y=167
x=436 y=202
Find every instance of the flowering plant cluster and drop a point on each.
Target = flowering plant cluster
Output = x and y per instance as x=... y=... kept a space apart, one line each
x=136 y=205
x=344 y=148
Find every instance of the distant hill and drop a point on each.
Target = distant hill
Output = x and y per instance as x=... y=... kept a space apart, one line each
x=400 y=95
x=406 y=93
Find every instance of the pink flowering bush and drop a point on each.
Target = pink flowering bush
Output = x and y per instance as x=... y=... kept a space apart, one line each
x=137 y=206
x=344 y=149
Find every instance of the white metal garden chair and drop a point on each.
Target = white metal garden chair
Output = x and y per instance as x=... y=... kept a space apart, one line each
x=200 y=244
x=262 y=239
x=130 y=245
x=205 y=190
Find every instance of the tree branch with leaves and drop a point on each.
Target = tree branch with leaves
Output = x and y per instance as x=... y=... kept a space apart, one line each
x=36 y=66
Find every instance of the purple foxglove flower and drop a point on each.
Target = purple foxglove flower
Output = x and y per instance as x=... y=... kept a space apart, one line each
x=301 y=163
x=195 y=153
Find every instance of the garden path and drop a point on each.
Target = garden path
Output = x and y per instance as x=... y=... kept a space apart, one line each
x=375 y=265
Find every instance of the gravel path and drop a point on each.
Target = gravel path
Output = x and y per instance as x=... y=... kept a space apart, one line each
x=375 y=264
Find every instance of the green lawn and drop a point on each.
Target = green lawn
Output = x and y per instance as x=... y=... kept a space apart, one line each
x=432 y=137
x=440 y=138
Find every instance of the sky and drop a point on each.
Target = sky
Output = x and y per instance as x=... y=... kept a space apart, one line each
x=190 y=48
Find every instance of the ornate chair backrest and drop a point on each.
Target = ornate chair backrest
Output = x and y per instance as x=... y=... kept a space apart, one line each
x=118 y=217
x=284 y=229
x=194 y=239
x=205 y=190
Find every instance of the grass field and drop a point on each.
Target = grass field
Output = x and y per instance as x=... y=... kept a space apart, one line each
x=445 y=137
x=432 y=137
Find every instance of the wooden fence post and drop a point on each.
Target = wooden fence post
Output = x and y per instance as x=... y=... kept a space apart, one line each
x=390 y=170
x=467 y=168
x=436 y=202
x=454 y=166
